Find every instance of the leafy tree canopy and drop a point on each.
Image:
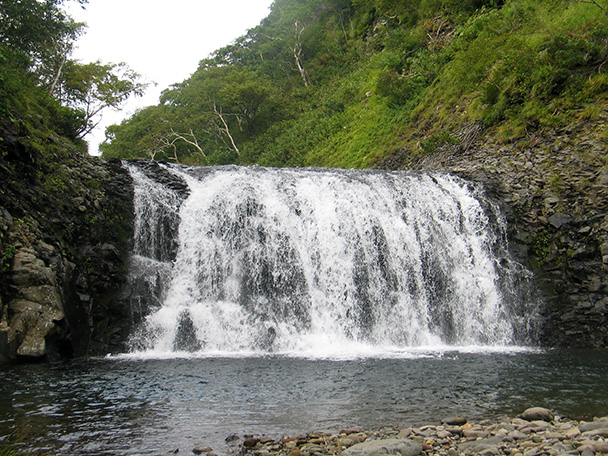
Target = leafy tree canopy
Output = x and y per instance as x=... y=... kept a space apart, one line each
x=344 y=82
x=43 y=92
x=36 y=27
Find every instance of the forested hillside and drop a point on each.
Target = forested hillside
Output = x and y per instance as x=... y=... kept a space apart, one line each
x=346 y=82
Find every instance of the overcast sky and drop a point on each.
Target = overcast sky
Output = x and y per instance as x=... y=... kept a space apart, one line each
x=161 y=40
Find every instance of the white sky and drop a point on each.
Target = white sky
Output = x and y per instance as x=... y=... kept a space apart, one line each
x=161 y=40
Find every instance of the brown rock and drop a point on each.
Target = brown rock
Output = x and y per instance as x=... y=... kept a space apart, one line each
x=600 y=446
x=538 y=414
x=456 y=430
x=250 y=442
x=350 y=431
x=602 y=432
x=475 y=433
x=455 y=421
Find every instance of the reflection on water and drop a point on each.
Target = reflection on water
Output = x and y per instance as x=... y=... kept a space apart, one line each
x=153 y=406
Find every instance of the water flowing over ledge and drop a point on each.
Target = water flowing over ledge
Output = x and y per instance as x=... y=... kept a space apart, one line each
x=321 y=262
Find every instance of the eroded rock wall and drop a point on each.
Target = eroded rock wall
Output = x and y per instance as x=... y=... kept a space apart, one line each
x=65 y=230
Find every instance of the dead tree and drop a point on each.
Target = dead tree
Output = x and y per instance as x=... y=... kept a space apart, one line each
x=297 y=52
x=226 y=129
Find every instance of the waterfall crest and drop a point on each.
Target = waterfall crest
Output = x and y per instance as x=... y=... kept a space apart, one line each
x=234 y=259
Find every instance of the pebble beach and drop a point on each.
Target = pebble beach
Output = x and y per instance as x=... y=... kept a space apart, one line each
x=536 y=432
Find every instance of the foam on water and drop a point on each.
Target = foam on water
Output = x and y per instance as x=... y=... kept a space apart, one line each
x=322 y=263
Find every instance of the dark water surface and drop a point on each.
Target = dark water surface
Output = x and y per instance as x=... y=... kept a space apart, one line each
x=137 y=407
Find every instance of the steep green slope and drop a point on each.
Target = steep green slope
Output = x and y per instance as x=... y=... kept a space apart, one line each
x=343 y=83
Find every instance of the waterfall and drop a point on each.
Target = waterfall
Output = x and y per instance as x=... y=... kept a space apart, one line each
x=235 y=259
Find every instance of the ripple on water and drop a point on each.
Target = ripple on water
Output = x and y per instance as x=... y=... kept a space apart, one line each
x=141 y=406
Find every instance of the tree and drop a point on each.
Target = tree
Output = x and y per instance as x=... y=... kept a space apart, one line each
x=93 y=87
x=136 y=137
x=40 y=37
x=228 y=103
x=41 y=31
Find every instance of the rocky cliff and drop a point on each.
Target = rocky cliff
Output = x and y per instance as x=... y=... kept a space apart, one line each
x=553 y=188
x=65 y=230
x=65 y=224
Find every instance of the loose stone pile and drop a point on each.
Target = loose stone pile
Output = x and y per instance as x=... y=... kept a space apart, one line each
x=536 y=432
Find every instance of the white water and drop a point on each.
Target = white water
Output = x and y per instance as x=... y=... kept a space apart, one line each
x=313 y=262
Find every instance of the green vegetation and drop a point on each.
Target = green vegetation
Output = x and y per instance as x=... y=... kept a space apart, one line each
x=344 y=82
x=7 y=257
x=48 y=101
x=317 y=83
x=7 y=451
x=541 y=245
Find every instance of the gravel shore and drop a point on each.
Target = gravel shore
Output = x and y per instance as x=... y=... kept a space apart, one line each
x=536 y=432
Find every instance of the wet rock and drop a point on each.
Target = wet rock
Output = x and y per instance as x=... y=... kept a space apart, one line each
x=61 y=301
x=202 y=450
x=600 y=446
x=570 y=224
x=250 y=442
x=185 y=335
x=387 y=446
x=595 y=424
x=482 y=444
x=601 y=432
x=558 y=220
x=474 y=433
x=162 y=175
x=538 y=414
x=29 y=270
x=455 y=421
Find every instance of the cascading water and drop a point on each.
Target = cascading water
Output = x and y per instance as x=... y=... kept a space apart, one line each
x=305 y=261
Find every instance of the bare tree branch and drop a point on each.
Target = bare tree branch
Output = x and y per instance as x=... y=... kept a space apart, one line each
x=297 y=52
x=166 y=144
x=226 y=129
x=192 y=142
x=57 y=74
x=596 y=3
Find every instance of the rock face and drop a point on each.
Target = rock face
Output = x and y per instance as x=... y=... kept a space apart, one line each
x=65 y=230
x=553 y=189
